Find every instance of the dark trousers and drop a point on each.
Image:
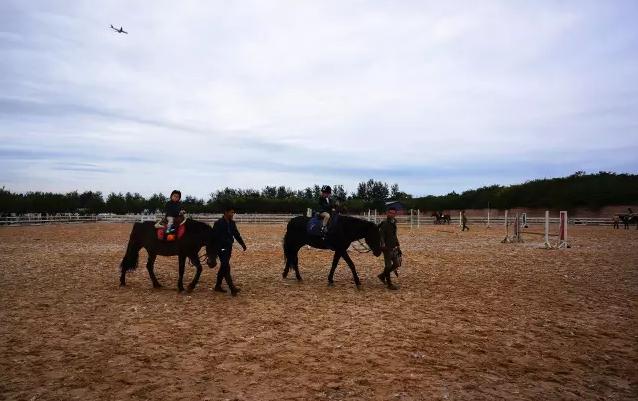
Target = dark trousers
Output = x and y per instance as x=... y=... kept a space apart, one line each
x=465 y=227
x=224 y=268
x=391 y=264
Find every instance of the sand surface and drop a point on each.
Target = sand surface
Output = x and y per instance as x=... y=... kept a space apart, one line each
x=474 y=319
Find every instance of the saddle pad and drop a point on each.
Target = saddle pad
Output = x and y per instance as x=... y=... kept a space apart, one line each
x=314 y=227
x=161 y=233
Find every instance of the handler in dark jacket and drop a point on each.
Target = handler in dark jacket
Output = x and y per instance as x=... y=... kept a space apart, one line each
x=225 y=231
x=389 y=246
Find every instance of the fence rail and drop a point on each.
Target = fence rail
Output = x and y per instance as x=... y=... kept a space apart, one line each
x=412 y=220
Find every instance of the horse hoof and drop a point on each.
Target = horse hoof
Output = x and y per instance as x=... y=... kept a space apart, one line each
x=359 y=287
x=392 y=287
x=190 y=289
x=331 y=284
x=157 y=286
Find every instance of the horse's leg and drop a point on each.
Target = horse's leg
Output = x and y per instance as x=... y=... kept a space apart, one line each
x=151 y=271
x=291 y=252
x=350 y=263
x=198 y=272
x=180 y=279
x=335 y=262
x=292 y=261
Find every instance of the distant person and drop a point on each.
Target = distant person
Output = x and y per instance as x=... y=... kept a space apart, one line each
x=390 y=247
x=464 y=221
x=225 y=232
x=326 y=207
x=616 y=221
x=173 y=209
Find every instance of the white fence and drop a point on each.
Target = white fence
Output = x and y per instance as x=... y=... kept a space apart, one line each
x=413 y=220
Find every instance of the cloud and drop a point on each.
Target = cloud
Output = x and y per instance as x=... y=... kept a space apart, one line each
x=201 y=95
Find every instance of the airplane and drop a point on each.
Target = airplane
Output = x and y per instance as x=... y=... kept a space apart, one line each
x=118 y=30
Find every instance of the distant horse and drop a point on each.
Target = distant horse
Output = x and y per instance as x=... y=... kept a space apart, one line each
x=345 y=230
x=144 y=235
x=628 y=219
x=440 y=218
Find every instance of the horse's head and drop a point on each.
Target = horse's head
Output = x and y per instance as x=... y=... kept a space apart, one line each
x=373 y=239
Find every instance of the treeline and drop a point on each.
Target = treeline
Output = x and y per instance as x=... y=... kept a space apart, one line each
x=592 y=191
x=578 y=190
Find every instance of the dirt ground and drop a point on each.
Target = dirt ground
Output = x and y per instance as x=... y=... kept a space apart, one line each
x=474 y=319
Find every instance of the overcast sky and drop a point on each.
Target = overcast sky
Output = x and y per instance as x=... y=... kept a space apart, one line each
x=435 y=96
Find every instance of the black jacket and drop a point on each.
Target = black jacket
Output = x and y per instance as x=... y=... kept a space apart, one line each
x=226 y=233
x=325 y=205
x=173 y=208
x=388 y=232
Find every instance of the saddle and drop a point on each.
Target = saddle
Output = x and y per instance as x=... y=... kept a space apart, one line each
x=174 y=234
x=313 y=228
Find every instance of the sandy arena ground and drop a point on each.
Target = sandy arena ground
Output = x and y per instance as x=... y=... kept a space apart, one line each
x=474 y=320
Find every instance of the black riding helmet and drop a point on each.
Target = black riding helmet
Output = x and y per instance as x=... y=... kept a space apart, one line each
x=326 y=189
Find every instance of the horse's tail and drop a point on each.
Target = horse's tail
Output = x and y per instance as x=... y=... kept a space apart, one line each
x=286 y=248
x=129 y=261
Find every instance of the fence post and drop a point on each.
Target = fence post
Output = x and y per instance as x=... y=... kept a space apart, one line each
x=547 y=244
x=488 y=217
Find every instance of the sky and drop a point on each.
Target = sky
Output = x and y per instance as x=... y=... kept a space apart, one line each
x=201 y=95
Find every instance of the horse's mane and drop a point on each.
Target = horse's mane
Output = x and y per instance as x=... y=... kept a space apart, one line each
x=197 y=224
x=356 y=220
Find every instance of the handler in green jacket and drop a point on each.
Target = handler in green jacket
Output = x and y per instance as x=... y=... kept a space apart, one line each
x=389 y=246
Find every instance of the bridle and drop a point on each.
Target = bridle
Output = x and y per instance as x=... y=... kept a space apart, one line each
x=364 y=247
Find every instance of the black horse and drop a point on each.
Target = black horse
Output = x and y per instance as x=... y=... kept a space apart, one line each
x=144 y=235
x=628 y=219
x=440 y=218
x=346 y=230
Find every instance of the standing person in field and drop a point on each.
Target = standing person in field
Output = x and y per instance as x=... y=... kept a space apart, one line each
x=225 y=232
x=389 y=246
x=173 y=209
x=464 y=221
x=326 y=207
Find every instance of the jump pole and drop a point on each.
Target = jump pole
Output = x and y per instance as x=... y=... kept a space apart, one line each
x=562 y=231
x=524 y=220
x=507 y=230
x=517 y=229
x=460 y=219
x=547 y=244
